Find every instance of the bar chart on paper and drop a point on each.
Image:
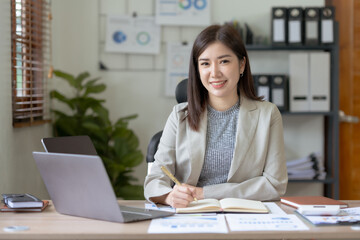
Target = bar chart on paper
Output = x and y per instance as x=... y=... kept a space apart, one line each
x=264 y=222
x=189 y=223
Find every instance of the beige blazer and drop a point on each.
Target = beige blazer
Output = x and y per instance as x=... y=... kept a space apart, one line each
x=258 y=169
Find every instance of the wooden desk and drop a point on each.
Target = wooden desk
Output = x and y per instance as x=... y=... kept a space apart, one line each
x=52 y=225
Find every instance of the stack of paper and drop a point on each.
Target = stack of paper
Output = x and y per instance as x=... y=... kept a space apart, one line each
x=310 y=167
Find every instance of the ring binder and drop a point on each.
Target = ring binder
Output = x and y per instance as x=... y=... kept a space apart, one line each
x=279 y=91
x=262 y=86
x=327 y=25
x=295 y=26
x=279 y=26
x=312 y=26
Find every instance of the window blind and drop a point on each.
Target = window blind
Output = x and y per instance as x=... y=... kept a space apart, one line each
x=30 y=38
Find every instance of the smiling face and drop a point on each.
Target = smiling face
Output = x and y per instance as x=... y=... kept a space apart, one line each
x=220 y=70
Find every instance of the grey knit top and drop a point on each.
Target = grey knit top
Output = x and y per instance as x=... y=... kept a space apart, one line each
x=220 y=144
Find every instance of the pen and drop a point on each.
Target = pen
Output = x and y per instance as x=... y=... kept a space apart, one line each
x=172 y=177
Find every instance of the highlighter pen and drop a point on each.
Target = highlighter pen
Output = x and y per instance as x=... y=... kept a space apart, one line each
x=172 y=177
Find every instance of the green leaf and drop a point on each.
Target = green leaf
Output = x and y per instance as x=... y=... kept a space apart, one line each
x=79 y=79
x=95 y=130
x=55 y=94
x=132 y=159
x=82 y=104
x=102 y=112
x=130 y=192
x=65 y=126
x=91 y=82
x=95 y=89
x=59 y=114
x=66 y=76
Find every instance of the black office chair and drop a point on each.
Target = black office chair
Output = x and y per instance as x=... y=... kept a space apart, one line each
x=181 y=96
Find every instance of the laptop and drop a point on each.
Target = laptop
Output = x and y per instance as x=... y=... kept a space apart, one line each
x=70 y=144
x=79 y=186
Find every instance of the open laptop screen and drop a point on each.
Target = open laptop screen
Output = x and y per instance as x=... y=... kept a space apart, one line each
x=70 y=144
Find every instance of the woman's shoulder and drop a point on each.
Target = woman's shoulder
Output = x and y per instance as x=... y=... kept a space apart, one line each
x=181 y=107
x=179 y=111
x=264 y=106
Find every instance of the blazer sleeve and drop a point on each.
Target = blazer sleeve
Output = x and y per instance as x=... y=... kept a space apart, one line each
x=273 y=181
x=157 y=183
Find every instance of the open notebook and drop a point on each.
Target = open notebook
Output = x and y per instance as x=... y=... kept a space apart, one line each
x=224 y=205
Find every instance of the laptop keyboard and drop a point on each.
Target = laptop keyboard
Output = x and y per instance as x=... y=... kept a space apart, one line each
x=131 y=214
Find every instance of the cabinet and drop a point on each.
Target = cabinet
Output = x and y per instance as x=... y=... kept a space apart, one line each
x=331 y=118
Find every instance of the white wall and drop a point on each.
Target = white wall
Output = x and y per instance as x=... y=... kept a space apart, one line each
x=76 y=34
x=18 y=172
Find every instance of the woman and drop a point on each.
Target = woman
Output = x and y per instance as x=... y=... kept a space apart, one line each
x=226 y=141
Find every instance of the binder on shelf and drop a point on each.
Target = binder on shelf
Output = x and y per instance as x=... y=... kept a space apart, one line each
x=279 y=26
x=312 y=26
x=262 y=86
x=295 y=26
x=327 y=16
x=279 y=91
x=299 y=82
x=319 y=81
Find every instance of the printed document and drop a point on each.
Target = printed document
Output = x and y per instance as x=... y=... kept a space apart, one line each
x=189 y=223
x=274 y=208
x=264 y=222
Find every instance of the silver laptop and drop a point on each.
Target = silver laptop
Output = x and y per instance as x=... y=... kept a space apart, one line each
x=78 y=185
x=69 y=144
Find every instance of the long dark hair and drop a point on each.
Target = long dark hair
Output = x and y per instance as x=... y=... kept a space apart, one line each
x=197 y=95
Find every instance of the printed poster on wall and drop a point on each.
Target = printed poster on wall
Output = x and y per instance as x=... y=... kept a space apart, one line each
x=127 y=34
x=177 y=68
x=183 y=12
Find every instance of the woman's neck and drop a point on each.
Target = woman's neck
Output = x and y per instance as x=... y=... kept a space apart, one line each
x=223 y=104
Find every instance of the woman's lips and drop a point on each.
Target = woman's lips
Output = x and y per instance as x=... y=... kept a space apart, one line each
x=218 y=84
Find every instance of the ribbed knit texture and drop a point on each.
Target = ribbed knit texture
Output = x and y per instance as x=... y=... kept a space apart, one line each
x=220 y=143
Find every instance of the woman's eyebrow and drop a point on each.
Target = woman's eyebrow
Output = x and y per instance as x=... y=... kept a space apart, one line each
x=223 y=56
x=219 y=57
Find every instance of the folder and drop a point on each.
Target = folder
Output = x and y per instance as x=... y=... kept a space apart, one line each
x=279 y=91
x=262 y=86
x=327 y=17
x=312 y=26
x=299 y=82
x=295 y=26
x=279 y=26
x=319 y=81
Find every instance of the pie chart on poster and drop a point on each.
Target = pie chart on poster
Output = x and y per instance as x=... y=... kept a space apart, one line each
x=143 y=38
x=119 y=37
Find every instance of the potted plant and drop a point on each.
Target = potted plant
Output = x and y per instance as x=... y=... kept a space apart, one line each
x=116 y=144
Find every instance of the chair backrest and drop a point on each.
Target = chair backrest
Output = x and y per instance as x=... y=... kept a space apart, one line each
x=181 y=91
x=181 y=96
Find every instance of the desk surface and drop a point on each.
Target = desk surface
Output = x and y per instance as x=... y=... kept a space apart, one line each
x=52 y=225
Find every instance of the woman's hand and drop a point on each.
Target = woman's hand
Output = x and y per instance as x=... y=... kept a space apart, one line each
x=182 y=195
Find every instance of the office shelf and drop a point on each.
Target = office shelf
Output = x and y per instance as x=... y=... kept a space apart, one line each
x=308 y=113
x=325 y=181
x=289 y=48
x=331 y=118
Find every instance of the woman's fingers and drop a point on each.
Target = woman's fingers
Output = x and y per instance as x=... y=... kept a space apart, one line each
x=180 y=196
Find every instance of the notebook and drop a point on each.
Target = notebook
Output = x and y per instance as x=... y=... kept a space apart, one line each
x=70 y=144
x=224 y=205
x=79 y=186
x=297 y=201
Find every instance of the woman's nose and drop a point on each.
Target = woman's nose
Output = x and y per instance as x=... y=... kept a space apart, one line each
x=215 y=71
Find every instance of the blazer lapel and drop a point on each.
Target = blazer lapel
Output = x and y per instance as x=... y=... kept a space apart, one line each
x=248 y=120
x=197 y=145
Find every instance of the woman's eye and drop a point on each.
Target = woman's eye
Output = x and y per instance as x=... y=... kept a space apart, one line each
x=224 y=61
x=204 y=64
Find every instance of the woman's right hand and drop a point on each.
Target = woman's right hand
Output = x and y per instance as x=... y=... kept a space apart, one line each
x=181 y=196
